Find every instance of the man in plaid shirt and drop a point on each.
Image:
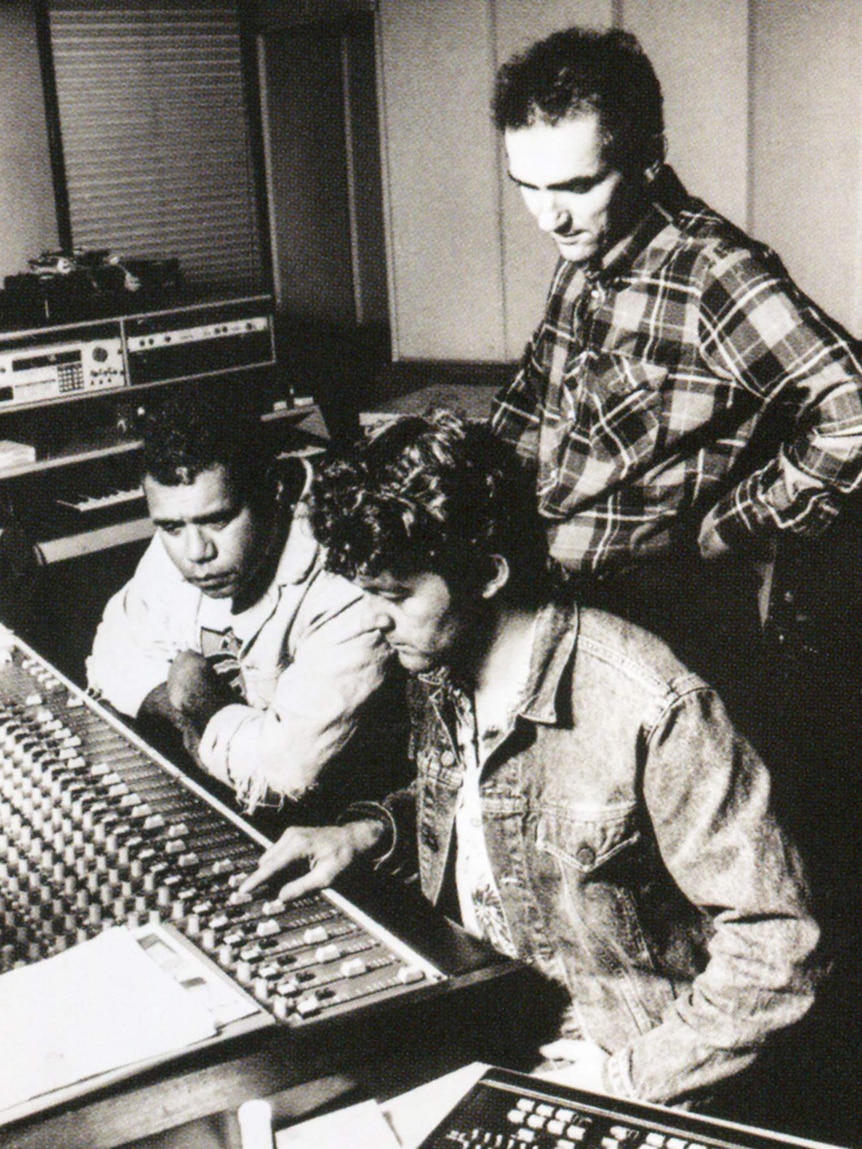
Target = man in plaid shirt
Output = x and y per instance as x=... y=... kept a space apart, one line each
x=681 y=400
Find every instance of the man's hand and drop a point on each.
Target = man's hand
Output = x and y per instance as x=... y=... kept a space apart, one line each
x=195 y=690
x=583 y=1068
x=710 y=542
x=328 y=850
x=157 y=716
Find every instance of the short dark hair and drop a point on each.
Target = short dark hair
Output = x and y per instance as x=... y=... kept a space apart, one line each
x=580 y=71
x=431 y=493
x=186 y=435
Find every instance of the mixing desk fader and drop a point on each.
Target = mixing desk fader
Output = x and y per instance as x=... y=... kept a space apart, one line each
x=97 y=830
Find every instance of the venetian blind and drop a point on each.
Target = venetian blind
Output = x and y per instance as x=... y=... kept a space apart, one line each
x=155 y=134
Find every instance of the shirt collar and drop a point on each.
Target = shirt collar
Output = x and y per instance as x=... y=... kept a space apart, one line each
x=555 y=635
x=667 y=197
x=301 y=550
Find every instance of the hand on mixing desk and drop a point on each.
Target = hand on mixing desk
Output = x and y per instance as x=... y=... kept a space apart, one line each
x=196 y=690
x=573 y=1062
x=325 y=850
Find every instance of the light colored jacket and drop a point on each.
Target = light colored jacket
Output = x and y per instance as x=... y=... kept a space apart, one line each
x=308 y=654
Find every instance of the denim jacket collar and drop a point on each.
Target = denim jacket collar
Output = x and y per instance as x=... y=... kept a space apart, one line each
x=555 y=638
x=554 y=642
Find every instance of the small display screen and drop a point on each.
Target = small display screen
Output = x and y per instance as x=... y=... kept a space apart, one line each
x=50 y=359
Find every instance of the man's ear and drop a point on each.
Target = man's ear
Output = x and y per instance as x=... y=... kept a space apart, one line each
x=292 y=478
x=657 y=156
x=499 y=576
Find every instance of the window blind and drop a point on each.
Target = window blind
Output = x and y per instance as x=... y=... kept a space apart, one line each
x=155 y=134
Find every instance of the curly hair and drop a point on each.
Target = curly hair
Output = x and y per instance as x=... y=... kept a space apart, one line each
x=433 y=493
x=580 y=71
x=189 y=434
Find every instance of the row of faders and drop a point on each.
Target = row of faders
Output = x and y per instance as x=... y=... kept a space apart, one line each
x=97 y=830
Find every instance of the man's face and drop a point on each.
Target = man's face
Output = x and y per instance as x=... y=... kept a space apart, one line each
x=420 y=618
x=581 y=202
x=215 y=539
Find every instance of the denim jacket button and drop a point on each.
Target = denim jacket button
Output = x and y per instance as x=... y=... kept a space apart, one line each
x=429 y=838
x=447 y=758
x=586 y=855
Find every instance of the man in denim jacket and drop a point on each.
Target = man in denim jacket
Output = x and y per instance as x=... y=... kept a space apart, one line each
x=581 y=800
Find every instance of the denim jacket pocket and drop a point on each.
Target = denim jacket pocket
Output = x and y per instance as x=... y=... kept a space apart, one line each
x=599 y=867
x=587 y=837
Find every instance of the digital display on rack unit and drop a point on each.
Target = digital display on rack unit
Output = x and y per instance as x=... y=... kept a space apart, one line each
x=51 y=359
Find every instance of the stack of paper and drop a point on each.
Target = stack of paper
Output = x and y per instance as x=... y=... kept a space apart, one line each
x=95 y=1008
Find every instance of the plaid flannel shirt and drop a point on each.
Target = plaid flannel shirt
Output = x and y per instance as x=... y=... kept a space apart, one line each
x=687 y=374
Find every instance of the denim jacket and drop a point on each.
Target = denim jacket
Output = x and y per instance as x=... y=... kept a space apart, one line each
x=308 y=654
x=631 y=838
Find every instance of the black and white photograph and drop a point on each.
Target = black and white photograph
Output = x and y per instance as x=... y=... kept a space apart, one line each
x=430 y=574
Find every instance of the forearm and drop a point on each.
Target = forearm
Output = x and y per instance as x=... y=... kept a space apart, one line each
x=515 y=416
x=718 y=1027
x=163 y=725
x=365 y=835
x=284 y=744
x=141 y=630
x=124 y=673
x=777 y=499
x=263 y=750
x=748 y=310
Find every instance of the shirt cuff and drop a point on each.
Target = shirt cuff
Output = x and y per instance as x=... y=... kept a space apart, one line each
x=617 y=1075
x=374 y=812
x=214 y=748
x=736 y=534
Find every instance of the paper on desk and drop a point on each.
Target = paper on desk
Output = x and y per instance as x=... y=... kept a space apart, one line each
x=96 y=1007
x=402 y=1123
x=415 y=1114
x=360 y=1126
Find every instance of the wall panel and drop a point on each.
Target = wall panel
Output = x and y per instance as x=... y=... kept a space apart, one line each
x=28 y=222
x=699 y=49
x=439 y=172
x=806 y=193
x=309 y=214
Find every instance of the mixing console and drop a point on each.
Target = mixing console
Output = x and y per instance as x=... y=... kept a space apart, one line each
x=96 y=830
x=506 y=1110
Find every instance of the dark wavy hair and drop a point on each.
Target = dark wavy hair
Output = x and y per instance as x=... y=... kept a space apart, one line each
x=432 y=493
x=580 y=71
x=189 y=434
